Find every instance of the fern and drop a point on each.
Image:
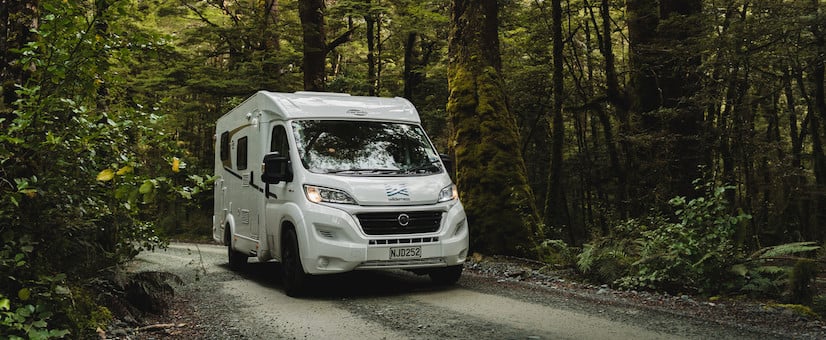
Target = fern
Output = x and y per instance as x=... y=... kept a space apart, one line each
x=785 y=249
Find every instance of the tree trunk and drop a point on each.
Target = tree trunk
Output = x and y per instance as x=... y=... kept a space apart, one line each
x=412 y=65
x=617 y=98
x=17 y=20
x=664 y=81
x=556 y=213
x=818 y=76
x=311 y=13
x=270 y=41
x=491 y=173
x=370 y=20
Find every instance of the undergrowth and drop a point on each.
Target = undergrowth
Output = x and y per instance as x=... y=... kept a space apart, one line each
x=694 y=250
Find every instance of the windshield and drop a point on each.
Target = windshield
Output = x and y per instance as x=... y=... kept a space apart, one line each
x=364 y=148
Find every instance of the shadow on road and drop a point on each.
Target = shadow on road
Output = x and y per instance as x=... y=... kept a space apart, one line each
x=356 y=284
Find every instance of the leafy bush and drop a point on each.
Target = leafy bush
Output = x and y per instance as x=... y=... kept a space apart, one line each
x=695 y=252
x=778 y=270
x=608 y=258
x=83 y=176
x=28 y=312
x=557 y=253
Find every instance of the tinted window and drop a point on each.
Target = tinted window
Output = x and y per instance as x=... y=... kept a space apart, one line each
x=225 y=146
x=241 y=153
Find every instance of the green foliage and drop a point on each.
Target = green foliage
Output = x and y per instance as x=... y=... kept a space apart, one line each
x=30 y=308
x=695 y=252
x=27 y=322
x=84 y=168
x=778 y=270
x=608 y=258
x=557 y=253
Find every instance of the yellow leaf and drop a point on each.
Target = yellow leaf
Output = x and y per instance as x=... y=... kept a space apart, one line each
x=176 y=163
x=125 y=170
x=106 y=175
x=24 y=294
x=32 y=193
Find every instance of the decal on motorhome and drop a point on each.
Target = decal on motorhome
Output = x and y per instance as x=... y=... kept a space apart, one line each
x=397 y=192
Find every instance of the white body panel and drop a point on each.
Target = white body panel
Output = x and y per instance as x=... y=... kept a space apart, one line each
x=331 y=236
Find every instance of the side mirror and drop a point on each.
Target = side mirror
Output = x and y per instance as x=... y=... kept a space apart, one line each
x=276 y=168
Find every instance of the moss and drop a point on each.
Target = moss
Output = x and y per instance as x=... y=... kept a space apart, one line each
x=85 y=315
x=795 y=308
x=491 y=173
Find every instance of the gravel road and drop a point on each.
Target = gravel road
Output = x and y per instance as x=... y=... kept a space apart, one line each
x=489 y=302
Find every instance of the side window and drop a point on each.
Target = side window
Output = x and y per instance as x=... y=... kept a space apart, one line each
x=225 y=146
x=241 y=154
x=279 y=143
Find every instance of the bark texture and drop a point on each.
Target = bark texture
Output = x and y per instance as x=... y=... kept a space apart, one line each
x=491 y=172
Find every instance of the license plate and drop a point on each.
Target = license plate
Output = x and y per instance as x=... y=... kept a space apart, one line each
x=405 y=253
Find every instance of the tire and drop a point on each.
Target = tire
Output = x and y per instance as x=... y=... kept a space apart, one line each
x=447 y=275
x=292 y=273
x=237 y=260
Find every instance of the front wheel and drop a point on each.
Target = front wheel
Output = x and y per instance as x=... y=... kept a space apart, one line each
x=237 y=260
x=447 y=275
x=292 y=272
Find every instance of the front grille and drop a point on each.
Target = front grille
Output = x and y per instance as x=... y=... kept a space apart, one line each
x=388 y=223
x=416 y=240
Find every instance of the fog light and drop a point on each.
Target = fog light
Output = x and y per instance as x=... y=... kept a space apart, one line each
x=323 y=262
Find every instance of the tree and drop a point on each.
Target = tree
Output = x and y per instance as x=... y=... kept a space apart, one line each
x=315 y=44
x=664 y=58
x=556 y=211
x=491 y=173
x=17 y=20
x=316 y=47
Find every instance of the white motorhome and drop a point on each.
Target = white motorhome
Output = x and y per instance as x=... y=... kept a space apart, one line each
x=328 y=183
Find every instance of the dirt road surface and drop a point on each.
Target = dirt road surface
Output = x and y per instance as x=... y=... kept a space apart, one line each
x=216 y=303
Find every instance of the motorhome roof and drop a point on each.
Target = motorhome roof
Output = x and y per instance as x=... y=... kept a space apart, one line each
x=324 y=105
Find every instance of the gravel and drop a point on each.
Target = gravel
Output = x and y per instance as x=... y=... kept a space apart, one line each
x=200 y=309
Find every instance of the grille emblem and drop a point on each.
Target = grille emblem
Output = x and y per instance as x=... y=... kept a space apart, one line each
x=403 y=219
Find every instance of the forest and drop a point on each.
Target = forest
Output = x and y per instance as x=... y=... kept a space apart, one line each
x=672 y=145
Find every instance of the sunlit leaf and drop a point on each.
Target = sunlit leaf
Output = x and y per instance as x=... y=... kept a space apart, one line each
x=125 y=170
x=106 y=175
x=146 y=187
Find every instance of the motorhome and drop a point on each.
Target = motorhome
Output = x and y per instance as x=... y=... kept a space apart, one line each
x=328 y=183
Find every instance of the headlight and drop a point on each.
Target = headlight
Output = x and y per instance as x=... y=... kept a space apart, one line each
x=448 y=193
x=320 y=194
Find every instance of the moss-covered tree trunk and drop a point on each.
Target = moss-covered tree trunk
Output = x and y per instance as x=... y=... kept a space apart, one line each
x=491 y=173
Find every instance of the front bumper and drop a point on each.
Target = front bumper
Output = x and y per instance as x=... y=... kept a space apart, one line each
x=335 y=241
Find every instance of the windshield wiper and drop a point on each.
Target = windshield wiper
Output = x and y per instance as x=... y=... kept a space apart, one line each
x=362 y=171
x=432 y=166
